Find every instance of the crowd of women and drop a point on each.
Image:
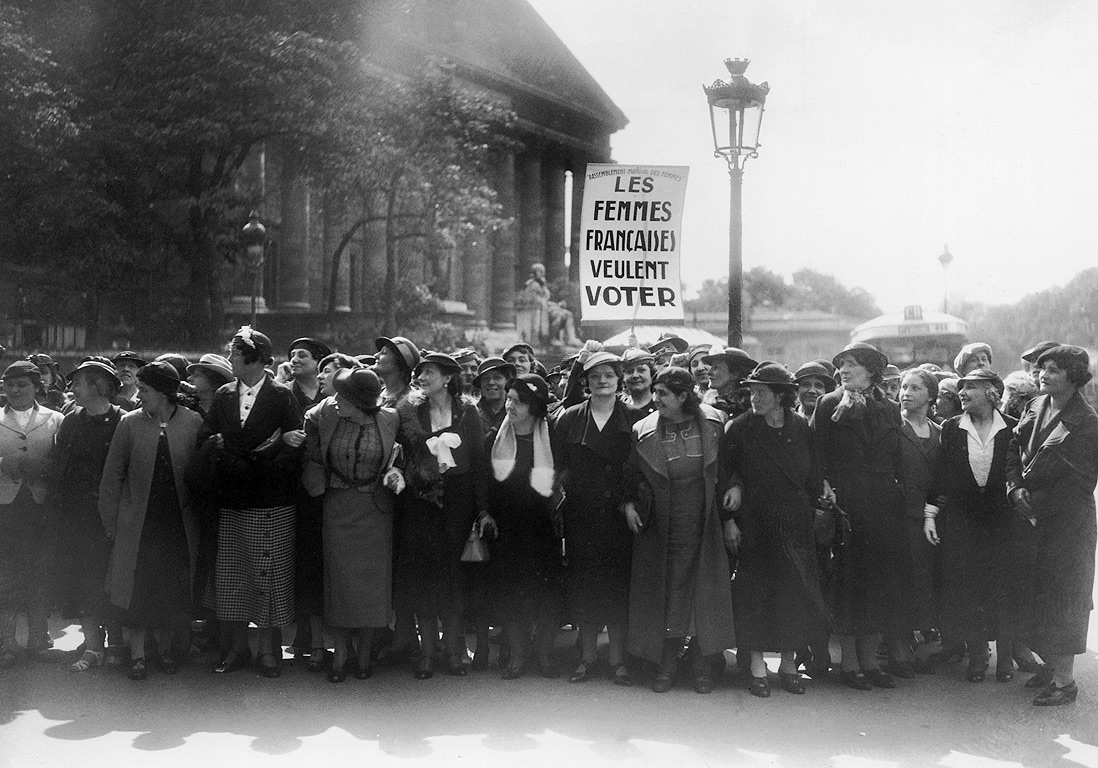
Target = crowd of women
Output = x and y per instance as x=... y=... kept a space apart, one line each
x=686 y=500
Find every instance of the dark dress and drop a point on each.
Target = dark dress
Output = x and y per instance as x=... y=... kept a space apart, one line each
x=974 y=528
x=869 y=585
x=309 y=557
x=776 y=592
x=525 y=571
x=1058 y=464
x=161 y=581
x=918 y=455
x=83 y=550
x=438 y=511
x=596 y=583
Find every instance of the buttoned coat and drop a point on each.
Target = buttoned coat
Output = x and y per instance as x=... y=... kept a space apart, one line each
x=320 y=424
x=36 y=441
x=253 y=471
x=648 y=485
x=127 y=480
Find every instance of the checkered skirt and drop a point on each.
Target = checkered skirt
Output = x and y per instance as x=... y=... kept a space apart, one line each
x=255 y=565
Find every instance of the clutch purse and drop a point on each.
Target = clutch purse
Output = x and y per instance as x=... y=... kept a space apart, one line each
x=476 y=550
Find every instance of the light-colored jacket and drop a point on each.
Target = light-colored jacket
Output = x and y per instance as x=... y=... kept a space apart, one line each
x=34 y=441
x=127 y=481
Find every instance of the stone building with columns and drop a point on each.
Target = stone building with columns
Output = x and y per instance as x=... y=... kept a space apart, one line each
x=499 y=47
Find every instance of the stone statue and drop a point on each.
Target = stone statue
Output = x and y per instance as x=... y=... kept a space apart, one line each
x=540 y=320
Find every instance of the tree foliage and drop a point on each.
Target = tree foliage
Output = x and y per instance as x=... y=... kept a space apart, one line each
x=809 y=290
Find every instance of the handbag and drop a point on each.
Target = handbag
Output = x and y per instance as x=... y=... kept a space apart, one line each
x=476 y=550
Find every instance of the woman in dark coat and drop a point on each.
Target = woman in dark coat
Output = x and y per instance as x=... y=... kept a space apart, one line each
x=1051 y=476
x=525 y=569
x=146 y=510
x=918 y=453
x=680 y=577
x=858 y=437
x=444 y=467
x=774 y=480
x=84 y=551
x=349 y=448
x=973 y=528
x=591 y=442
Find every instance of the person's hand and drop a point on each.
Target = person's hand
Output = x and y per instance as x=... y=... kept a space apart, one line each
x=733 y=498
x=829 y=492
x=1020 y=497
x=284 y=374
x=219 y=441
x=589 y=348
x=486 y=525
x=295 y=438
x=632 y=517
x=394 y=480
x=732 y=536
x=930 y=530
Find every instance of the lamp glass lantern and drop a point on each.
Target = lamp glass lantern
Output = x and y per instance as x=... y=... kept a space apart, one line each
x=741 y=103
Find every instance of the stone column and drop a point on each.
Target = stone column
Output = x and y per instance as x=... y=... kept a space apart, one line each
x=553 y=171
x=293 y=252
x=335 y=225
x=504 y=256
x=531 y=213
x=477 y=273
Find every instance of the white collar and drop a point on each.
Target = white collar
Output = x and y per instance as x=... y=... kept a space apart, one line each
x=997 y=424
x=244 y=389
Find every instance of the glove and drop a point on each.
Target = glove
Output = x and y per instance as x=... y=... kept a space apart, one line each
x=394 y=480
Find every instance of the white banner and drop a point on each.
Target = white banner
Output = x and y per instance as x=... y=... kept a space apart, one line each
x=630 y=236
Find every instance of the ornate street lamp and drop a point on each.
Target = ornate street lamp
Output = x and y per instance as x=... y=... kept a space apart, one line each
x=946 y=259
x=741 y=104
x=254 y=239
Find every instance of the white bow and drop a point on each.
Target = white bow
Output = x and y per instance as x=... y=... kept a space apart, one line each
x=441 y=446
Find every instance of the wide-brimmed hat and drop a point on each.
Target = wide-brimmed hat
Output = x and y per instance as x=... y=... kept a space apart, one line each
x=866 y=354
x=772 y=374
x=128 y=357
x=520 y=347
x=1034 y=352
x=735 y=358
x=982 y=375
x=677 y=343
x=636 y=356
x=318 y=349
x=22 y=368
x=213 y=364
x=489 y=364
x=405 y=349
x=161 y=376
x=441 y=359
x=359 y=386
x=98 y=368
x=599 y=358
x=818 y=370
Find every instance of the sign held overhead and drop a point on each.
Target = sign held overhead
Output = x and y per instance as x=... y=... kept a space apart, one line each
x=630 y=231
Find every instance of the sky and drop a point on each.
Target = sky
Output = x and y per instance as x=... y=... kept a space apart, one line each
x=892 y=130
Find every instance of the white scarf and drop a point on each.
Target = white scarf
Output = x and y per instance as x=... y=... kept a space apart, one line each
x=505 y=448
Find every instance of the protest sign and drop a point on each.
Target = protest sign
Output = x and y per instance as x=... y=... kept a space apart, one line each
x=630 y=236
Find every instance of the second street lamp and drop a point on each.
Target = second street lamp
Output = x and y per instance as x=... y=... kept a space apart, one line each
x=741 y=103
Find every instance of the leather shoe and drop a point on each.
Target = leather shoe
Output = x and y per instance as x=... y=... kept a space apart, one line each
x=949 y=654
x=880 y=678
x=1042 y=679
x=904 y=669
x=512 y=672
x=425 y=669
x=791 y=682
x=662 y=683
x=138 y=670
x=337 y=675
x=272 y=670
x=1053 y=696
x=364 y=672
x=1004 y=675
x=315 y=660
x=759 y=686
x=480 y=660
x=703 y=684
x=619 y=675
x=856 y=680
x=231 y=663
x=456 y=667
x=583 y=672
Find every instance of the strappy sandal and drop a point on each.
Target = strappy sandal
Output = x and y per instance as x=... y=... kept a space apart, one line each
x=87 y=660
x=759 y=686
